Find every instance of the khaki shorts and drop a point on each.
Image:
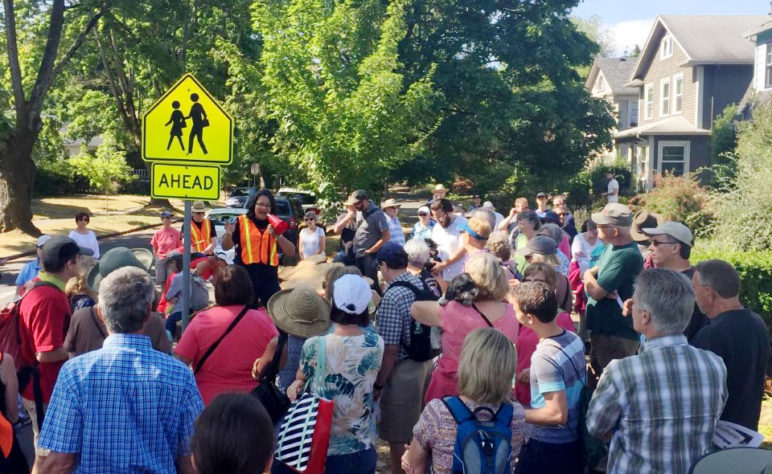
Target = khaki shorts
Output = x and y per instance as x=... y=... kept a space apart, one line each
x=29 y=405
x=402 y=400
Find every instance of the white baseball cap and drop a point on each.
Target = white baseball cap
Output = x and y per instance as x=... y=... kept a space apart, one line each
x=351 y=294
x=42 y=240
x=675 y=230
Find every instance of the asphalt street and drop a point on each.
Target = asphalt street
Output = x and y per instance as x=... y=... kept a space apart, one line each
x=10 y=270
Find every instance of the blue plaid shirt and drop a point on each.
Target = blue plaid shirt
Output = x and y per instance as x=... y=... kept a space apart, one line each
x=393 y=316
x=123 y=408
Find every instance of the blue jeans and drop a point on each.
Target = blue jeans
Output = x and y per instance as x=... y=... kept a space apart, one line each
x=361 y=462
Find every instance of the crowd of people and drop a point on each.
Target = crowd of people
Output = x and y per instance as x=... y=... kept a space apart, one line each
x=453 y=343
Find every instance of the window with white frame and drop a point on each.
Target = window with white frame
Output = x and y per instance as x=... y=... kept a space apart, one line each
x=678 y=93
x=632 y=106
x=599 y=85
x=666 y=47
x=648 y=101
x=673 y=157
x=664 y=97
x=768 y=79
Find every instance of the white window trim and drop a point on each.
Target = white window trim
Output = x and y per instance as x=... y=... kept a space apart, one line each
x=687 y=153
x=630 y=117
x=666 y=47
x=676 y=77
x=664 y=111
x=600 y=85
x=648 y=95
x=768 y=66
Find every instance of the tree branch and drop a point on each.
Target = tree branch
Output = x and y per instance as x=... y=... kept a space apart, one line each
x=46 y=72
x=13 y=58
x=78 y=42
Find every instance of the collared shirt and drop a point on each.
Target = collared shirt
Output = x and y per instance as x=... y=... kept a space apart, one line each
x=123 y=408
x=662 y=406
x=395 y=227
x=28 y=272
x=393 y=314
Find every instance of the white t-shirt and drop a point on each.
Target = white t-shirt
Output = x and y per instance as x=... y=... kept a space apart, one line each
x=87 y=240
x=448 y=241
x=311 y=241
x=580 y=245
x=613 y=186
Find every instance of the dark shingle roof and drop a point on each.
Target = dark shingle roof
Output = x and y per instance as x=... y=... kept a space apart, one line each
x=617 y=73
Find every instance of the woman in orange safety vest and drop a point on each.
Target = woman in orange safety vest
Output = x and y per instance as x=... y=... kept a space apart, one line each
x=257 y=245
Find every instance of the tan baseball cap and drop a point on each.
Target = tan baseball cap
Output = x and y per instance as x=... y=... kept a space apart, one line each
x=614 y=214
x=675 y=230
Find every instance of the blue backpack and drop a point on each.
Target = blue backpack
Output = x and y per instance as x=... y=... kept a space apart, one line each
x=482 y=446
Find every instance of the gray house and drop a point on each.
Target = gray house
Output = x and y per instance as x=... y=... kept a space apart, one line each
x=607 y=80
x=761 y=38
x=689 y=70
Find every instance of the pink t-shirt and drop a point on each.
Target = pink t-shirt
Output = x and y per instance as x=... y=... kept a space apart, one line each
x=458 y=321
x=526 y=346
x=164 y=240
x=229 y=367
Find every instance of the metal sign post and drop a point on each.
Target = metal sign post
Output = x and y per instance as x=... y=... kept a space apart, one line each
x=185 y=296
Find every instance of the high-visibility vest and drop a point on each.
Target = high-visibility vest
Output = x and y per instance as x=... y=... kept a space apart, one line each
x=200 y=238
x=256 y=246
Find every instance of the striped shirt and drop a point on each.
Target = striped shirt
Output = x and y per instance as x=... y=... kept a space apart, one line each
x=557 y=365
x=123 y=408
x=662 y=406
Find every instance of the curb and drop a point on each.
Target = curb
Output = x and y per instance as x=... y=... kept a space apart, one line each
x=101 y=237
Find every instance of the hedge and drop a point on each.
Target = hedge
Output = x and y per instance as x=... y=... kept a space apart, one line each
x=755 y=269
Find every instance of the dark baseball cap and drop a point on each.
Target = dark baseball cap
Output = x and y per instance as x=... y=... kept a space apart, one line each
x=541 y=195
x=551 y=216
x=540 y=244
x=166 y=214
x=392 y=253
x=356 y=196
x=60 y=249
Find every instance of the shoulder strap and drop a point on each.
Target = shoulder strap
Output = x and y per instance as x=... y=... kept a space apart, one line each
x=578 y=375
x=218 y=341
x=457 y=409
x=481 y=314
x=273 y=367
x=94 y=318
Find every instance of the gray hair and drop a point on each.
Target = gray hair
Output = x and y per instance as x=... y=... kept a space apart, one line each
x=668 y=296
x=417 y=252
x=499 y=245
x=125 y=297
x=486 y=215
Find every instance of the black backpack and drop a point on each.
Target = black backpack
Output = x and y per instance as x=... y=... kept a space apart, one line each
x=420 y=346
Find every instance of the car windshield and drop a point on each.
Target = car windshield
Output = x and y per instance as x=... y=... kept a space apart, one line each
x=283 y=208
x=239 y=192
x=221 y=219
x=305 y=198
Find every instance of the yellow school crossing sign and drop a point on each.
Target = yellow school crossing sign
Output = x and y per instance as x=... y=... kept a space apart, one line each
x=187 y=125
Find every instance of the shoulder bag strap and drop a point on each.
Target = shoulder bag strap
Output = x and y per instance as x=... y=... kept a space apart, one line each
x=94 y=318
x=218 y=341
x=481 y=314
x=272 y=369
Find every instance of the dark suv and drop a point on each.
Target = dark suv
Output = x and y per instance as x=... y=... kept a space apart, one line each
x=290 y=211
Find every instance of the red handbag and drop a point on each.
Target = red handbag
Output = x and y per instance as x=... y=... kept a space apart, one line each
x=304 y=436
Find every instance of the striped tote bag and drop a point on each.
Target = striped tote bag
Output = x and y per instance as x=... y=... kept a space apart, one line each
x=304 y=435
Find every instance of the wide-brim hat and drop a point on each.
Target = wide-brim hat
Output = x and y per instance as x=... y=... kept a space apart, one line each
x=641 y=220
x=116 y=258
x=198 y=206
x=390 y=203
x=440 y=187
x=300 y=312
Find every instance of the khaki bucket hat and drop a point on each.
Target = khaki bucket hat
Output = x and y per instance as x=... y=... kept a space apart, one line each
x=300 y=312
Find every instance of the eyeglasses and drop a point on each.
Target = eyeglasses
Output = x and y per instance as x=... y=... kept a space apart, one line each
x=423 y=214
x=309 y=219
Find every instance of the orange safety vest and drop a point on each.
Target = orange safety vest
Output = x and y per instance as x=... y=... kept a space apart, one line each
x=256 y=246
x=200 y=238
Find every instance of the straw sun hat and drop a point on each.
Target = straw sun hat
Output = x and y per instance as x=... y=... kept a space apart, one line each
x=300 y=311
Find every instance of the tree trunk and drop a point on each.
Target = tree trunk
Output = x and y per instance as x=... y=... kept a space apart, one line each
x=17 y=178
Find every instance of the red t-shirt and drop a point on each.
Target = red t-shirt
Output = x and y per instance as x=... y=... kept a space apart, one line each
x=45 y=313
x=229 y=367
x=165 y=240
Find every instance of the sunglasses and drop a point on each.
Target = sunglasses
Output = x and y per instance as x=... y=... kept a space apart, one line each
x=309 y=219
x=423 y=214
x=84 y=219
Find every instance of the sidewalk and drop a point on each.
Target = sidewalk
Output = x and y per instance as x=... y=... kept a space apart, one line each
x=57 y=216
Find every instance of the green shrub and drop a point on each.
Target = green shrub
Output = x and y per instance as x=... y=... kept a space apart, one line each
x=585 y=188
x=755 y=269
x=678 y=198
x=743 y=220
x=56 y=178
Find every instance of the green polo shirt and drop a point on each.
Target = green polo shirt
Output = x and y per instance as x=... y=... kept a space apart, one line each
x=617 y=268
